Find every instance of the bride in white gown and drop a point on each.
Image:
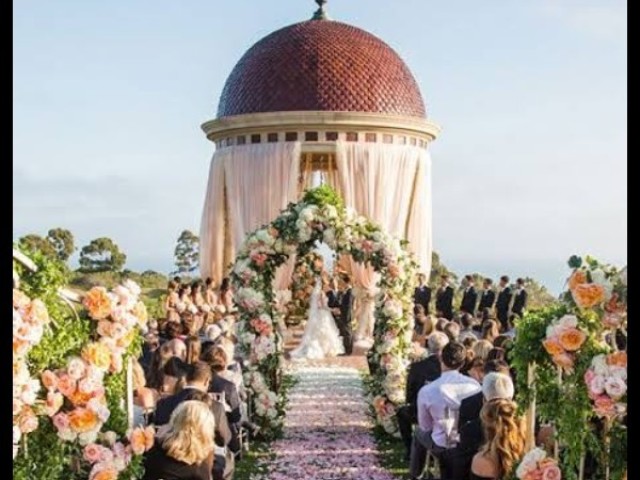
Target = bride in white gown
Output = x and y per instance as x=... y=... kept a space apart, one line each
x=321 y=336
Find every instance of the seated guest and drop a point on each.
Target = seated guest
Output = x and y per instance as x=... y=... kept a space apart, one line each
x=452 y=329
x=440 y=324
x=178 y=348
x=438 y=405
x=482 y=348
x=496 y=384
x=423 y=326
x=216 y=358
x=144 y=399
x=503 y=341
x=173 y=330
x=467 y=323
x=150 y=345
x=193 y=350
x=185 y=450
x=197 y=378
x=155 y=373
x=420 y=373
x=504 y=441
x=474 y=368
x=490 y=330
x=497 y=353
x=197 y=383
x=173 y=375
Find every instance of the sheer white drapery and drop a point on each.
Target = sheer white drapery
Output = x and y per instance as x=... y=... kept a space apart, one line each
x=390 y=184
x=248 y=187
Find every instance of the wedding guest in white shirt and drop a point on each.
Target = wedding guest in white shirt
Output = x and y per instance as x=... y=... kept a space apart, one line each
x=438 y=406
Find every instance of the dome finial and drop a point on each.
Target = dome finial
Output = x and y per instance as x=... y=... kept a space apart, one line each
x=320 y=14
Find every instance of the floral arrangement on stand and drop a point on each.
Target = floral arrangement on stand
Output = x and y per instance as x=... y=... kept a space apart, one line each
x=580 y=361
x=69 y=379
x=321 y=216
x=536 y=465
x=302 y=281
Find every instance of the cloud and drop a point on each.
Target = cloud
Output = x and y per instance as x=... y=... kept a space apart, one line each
x=604 y=19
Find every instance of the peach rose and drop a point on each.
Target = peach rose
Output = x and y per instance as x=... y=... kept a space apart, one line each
x=28 y=421
x=552 y=346
x=66 y=385
x=98 y=303
x=149 y=437
x=20 y=300
x=83 y=420
x=619 y=359
x=551 y=472
x=137 y=440
x=54 y=403
x=572 y=339
x=37 y=312
x=605 y=406
x=564 y=361
x=588 y=295
x=91 y=452
x=108 y=473
x=577 y=278
x=97 y=354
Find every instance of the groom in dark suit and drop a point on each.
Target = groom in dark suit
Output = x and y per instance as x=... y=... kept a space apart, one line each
x=344 y=311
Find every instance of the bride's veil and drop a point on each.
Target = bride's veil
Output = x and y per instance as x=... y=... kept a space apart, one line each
x=315 y=298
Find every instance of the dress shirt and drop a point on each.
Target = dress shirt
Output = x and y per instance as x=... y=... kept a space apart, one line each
x=439 y=403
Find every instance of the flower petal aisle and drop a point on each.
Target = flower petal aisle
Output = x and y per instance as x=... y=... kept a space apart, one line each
x=327 y=433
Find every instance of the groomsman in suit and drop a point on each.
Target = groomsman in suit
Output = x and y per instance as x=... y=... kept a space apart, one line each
x=422 y=293
x=488 y=297
x=503 y=304
x=444 y=299
x=470 y=296
x=520 y=300
x=344 y=313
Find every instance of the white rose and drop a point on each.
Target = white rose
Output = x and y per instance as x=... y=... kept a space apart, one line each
x=615 y=387
x=329 y=237
x=618 y=372
x=597 y=385
x=17 y=434
x=599 y=278
x=599 y=364
x=133 y=287
x=568 y=321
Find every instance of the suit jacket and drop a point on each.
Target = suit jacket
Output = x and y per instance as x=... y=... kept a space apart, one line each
x=444 y=301
x=333 y=299
x=426 y=370
x=487 y=299
x=346 y=309
x=504 y=301
x=520 y=302
x=422 y=296
x=470 y=408
x=469 y=300
x=166 y=406
x=222 y=385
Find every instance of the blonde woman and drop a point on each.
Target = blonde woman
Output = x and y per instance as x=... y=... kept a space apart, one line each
x=481 y=349
x=185 y=449
x=504 y=441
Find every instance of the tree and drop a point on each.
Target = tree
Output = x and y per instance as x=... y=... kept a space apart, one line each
x=438 y=269
x=539 y=296
x=62 y=242
x=187 y=252
x=35 y=243
x=102 y=255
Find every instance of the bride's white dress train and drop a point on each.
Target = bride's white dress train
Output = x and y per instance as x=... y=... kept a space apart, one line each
x=321 y=337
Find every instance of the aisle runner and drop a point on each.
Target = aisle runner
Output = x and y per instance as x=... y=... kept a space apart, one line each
x=327 y=432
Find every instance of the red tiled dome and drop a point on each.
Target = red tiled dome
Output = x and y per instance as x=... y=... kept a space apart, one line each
x=321 y=65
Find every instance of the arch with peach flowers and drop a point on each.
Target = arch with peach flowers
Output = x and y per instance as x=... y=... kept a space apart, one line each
x=321 y=217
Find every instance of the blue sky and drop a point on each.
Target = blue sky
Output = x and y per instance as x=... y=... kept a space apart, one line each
x=530 y=166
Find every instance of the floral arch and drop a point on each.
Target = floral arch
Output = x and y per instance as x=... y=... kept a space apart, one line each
x=321 y=216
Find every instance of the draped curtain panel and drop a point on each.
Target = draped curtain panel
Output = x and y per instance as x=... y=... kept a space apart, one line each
x=257 y=181
x=390 y=184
